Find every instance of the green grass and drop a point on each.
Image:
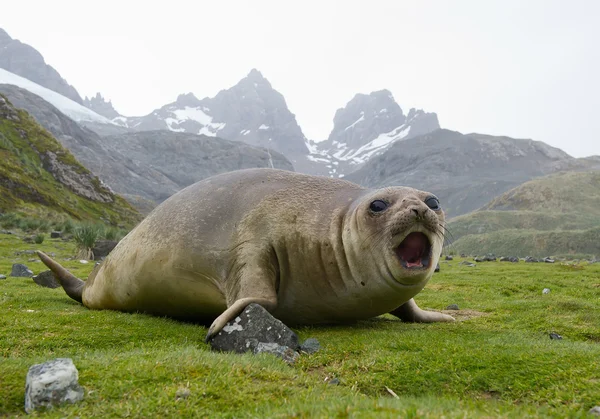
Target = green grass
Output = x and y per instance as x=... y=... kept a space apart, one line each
x=496 y=361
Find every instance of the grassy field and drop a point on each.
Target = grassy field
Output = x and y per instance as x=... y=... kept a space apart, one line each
x=496 y=361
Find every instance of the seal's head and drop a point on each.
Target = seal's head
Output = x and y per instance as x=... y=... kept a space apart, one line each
x=403 y=229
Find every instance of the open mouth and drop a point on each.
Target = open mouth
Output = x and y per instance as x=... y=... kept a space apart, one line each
x=415 y=251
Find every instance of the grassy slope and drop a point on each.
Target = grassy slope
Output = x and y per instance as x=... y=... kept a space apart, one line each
x=27 y=188
x=556 y=214
x=500 y=364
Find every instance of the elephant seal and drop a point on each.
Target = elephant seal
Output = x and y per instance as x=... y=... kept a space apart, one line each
x=309 y=249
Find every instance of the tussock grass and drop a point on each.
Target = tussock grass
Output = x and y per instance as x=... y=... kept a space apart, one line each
x=496 y=361
x=85 y=237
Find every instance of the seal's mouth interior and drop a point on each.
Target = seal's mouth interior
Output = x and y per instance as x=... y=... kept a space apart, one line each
x=415 y=251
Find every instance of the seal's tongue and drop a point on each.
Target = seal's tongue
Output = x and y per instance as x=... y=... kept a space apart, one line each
x=412 y=249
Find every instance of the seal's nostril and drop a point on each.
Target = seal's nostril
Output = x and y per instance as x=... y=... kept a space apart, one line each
x=416 y=211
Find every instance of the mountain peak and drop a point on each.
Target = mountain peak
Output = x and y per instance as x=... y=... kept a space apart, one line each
x=4 y=36
x=101 y=106
x=254 y=74
x=25 y=61
x=187 y=99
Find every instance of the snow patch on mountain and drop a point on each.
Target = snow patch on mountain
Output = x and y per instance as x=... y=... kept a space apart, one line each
x=67 y=106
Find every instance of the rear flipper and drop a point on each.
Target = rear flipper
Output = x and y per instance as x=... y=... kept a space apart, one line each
x=410 y=312
x=72 y=285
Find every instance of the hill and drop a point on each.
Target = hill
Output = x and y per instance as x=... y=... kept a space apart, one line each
x=555 y=214
x=144 y=167
x=38 y=176
x=466 y=171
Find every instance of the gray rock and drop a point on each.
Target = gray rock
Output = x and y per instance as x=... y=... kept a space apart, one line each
x=594 y=411
x=448 y=257
x=2 y=276
x=546 y=291
x=467 y=263
x=530 y=259
x=555 y=336
x=52 y=383
x=24 y=252
x=21 y=271
x=548 y=260
x=453 y=307
x=310 y=346
x=253 y=326
x=284 y=352
x=334 y=381
x=55 y=234
x=46 y=279
x=102 y=248
x=182 y=393
x=6 y=232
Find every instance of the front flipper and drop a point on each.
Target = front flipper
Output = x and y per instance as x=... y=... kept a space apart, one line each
x=252 y=279
x=234 y=310
x=410 y=312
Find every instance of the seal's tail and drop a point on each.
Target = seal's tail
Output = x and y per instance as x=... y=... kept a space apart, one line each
x=72 y=285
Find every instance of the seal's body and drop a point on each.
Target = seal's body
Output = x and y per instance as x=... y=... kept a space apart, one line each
x=309 y=249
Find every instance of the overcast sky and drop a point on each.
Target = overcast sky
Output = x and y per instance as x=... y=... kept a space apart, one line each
x=522 y=68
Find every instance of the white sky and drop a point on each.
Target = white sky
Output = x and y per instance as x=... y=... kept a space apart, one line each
x=522 y=68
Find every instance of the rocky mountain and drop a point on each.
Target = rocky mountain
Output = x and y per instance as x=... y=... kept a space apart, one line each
x=251 y=112
x=554 y=214
x=367 y=126
x=145 y=167
x=25 y=61
x=73 y=110
x=101 y=106
x=465 y=171
x=159 y=163
x=38 y=175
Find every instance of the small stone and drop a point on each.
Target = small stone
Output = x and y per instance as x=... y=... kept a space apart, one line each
x=334 y=381
x=21 y=271
x=2 y=276
x=548 y=260
x=83 y=261
x=284 y=352
x=24 y=252
x=6 y=232
x=182 y=393
x=595 y=411
x=52 y=383
x=448 y=257
x=55 y=234
x=555 y=336
x=453 y=307
x=46 y=279
x=546 y=291
x=310 y=346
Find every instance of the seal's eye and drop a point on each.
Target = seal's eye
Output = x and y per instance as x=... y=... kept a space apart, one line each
x=378 y=205
x=433 y=203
